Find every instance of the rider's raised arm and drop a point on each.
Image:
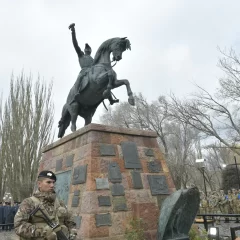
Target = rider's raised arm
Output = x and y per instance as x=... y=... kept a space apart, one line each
x=75 y=43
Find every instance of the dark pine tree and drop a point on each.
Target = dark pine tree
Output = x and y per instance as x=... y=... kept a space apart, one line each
x=230 y=177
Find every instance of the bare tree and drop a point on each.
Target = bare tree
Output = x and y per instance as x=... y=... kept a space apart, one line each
x=148 y=116
x=123 y=115
x=26 y=126
x=182 y=153
x=230 y=177
x=216 y=115
x=230 y=82
x=2 y=158
x=210 y=116
x=175 y=138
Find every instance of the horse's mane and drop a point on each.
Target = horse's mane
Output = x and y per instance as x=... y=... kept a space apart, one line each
x=103 y=47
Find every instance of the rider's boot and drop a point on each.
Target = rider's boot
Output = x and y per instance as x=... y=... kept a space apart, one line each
x=112 y=101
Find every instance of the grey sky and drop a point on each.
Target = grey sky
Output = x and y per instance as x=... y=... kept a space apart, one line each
x=174 y=43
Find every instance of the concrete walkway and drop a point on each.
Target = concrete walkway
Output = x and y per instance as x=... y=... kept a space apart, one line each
x=8 y=235
x=224 y=228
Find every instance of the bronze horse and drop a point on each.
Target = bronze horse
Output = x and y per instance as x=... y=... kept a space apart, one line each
x=95 y=86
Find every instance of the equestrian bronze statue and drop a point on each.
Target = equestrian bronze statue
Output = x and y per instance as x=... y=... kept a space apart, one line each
x=94 y=82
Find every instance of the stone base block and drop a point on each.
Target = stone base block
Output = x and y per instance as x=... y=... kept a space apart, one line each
x=108 y=176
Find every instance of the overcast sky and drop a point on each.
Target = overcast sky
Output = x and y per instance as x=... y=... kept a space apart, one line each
x=174 y=43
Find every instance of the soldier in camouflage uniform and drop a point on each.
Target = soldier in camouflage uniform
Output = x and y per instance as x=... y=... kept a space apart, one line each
x=217 y=207
x=230 y=201
x=223 y=203
x=35 y=227
x=238 y=203
x=213 y=202
x=234 y=201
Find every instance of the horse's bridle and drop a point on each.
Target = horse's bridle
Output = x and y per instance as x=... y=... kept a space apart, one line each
x=114 y=63
x=108 y=63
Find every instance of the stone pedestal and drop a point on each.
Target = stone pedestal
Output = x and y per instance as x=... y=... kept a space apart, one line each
x=107 y=176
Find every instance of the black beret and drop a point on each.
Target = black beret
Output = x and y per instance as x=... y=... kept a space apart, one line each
x=48 y=174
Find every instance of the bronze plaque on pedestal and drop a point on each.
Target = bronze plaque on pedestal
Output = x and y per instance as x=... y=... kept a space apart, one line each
x=119 y=204
x=79 y=175
x=130 y=155
x=136 y=179
x=103 y=220
x=158 y=184
x=107 y=150
x=59 y=165
x=62 y=186
x=114 y=173
x=104 y=201
x=69 y=160
x=102 y=183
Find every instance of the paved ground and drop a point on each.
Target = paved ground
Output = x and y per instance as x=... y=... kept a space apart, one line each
x=224 y=229
x=8 y=235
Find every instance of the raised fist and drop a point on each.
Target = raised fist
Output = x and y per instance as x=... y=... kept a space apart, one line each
x=71 y=26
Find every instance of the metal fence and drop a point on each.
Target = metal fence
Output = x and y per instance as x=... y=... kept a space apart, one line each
x=7 y=214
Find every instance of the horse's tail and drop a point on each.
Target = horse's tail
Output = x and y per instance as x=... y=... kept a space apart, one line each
x=64 y=121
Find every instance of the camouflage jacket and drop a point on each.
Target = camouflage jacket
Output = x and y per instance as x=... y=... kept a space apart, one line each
x=27 y=226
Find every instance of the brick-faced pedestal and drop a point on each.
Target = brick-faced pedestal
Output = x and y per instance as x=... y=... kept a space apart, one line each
x=107 y=176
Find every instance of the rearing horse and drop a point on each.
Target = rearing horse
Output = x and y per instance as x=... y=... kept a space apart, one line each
x=95 y=86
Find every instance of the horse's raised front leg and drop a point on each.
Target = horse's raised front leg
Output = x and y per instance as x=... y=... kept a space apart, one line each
x=73 y=110
x=125 y=82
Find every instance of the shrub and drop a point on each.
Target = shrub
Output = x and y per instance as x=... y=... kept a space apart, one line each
x=135 y=230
